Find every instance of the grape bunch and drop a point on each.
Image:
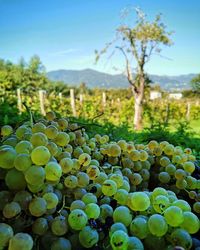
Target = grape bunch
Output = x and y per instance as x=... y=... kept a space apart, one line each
x=62 y=190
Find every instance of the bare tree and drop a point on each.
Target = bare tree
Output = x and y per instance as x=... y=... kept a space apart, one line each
x=138 y=42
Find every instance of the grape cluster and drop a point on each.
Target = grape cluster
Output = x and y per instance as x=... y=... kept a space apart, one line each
x=62 y=190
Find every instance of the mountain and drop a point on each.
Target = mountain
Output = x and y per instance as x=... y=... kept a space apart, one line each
x=94 y=78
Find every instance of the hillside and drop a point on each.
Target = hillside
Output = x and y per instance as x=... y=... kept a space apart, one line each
x=94 y=78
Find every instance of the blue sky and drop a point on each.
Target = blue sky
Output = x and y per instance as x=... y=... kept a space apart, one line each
x=65 y=33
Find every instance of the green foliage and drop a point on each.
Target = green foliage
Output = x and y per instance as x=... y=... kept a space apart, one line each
x=195 y=83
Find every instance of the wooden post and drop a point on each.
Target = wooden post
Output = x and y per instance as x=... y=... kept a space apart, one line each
x=19 y=101
x=188 y=111
x=42 y=99
x=81 y=99
x=72 y=97
x=60 y=96
x=104 y=99
x=167 y=113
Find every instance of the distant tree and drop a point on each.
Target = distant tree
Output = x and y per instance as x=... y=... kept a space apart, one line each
x=195 y=83
x=139 y=42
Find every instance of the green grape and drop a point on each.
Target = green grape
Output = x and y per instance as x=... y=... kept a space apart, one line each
x=119 y=240
x=7 y=157
x=71 y=181
x=137 y=166
x=191 y=182
x=92 y=210
x=63 y=155
x=180 y=237
x=143 y=155
x=157 y=151
x=84 y=159
x=6 y=233
x=11 y=210
x=159 y=191
x=122 y=144
x=69 y=149
x=89 y=198
x=53 y=171
x=11 y=141
x=35 y=188
x=22 y=162
x=86 y=149
x=5 y=197
x=83 y=179
x=160 y=203
x=101 y=178
x=118 y=179
x=95 y=188
x=109 y=187
x=6 y=130
x=15 y=180
x=157 y=225
x=23 y=147
x=173 y=216
x=35 y=175
x=170 y=169
x=164 y=161
x=39 y=139
x=152 y=242
x=38 y=127
x=93 y=172
x=21 y=241
x=164 y=177
x=135 y=244
x=21 y=131
x=62 y=139
x=37 y=206
x=126 y=185
x=77 y=219
x=88 y=237
x=181 y=184
x=59 y=225
x=180 y=174
x=79 y=192
x=139 y=201
x=190 y=223
x=182 y=204
x=40 y=226
x=196 y=207
x=66 y=165
x=105 y=211
x=139 y=227
x=50 y=116
x=169 y=149
x=51 y=200
x=76 y=165
x=77 y=204
x=77 y=152
x=61 y=244
x=152 y=144
x=52 y=147
x=136 y=179
x=23 y=198
x=122 y=214
x=135 y=155
x=192 y=195
x=51 y=132
x=114 y=150
x=121 y=196
x=145 y=174
x=176 y=159
x=117 y=226
x=40 y=155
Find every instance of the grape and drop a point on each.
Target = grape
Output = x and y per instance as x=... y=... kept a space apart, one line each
x=88 y=237
x=158 y=191
x=52 y=147
x=79 y=192
x=169 y=149
x=71 y=181
x=196 y=207
x=35 y=175
x=135 y=244
x=39 y=139
x=118 y=179
x=93 y=172
x=23 y=198
x=40 y=226
x=143 y=155
x=114 y=150
x=92 y=210
x=164 y=177
x=190 y=223
x=173 y=216
x=89 y=198
x=21 y=241
x=23 y=147
x=38 y=127
x=122 y=214
x=181 y=184
x=136 y=179
x=20 y=132
x=119 y=240
x=66 y=165
x=135 y=155
x=139 y=227
x=62 y=139
x=157 y=225
x=11 y=210
x=126 y=186
x=170 y=169
x=22 y=162
x=77 y=204
x=157 y=151
x=40 y=155
x=191 y=182
x=121 y=196
x=15 y=180
x=35 y=188
x=6 y=130
x=53 y=171
x=109 y=187
x=51 y=132
x=7 y=157
x=61 y=244
x=145 y=174
x=51 y=200
x=50 y=116
x=59 y=226
x=101 y=178
x=192 y=195
x=139 y=201
x=160 y=203
x=122 y=144
x=105 y=211
x=180 y=237
x=6 y=233
x=117 y=226
x=183 y=205
x=77 y=219
x=38 y=206
x=84 y=159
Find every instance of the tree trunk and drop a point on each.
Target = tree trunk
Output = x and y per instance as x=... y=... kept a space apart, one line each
x=138 y=112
